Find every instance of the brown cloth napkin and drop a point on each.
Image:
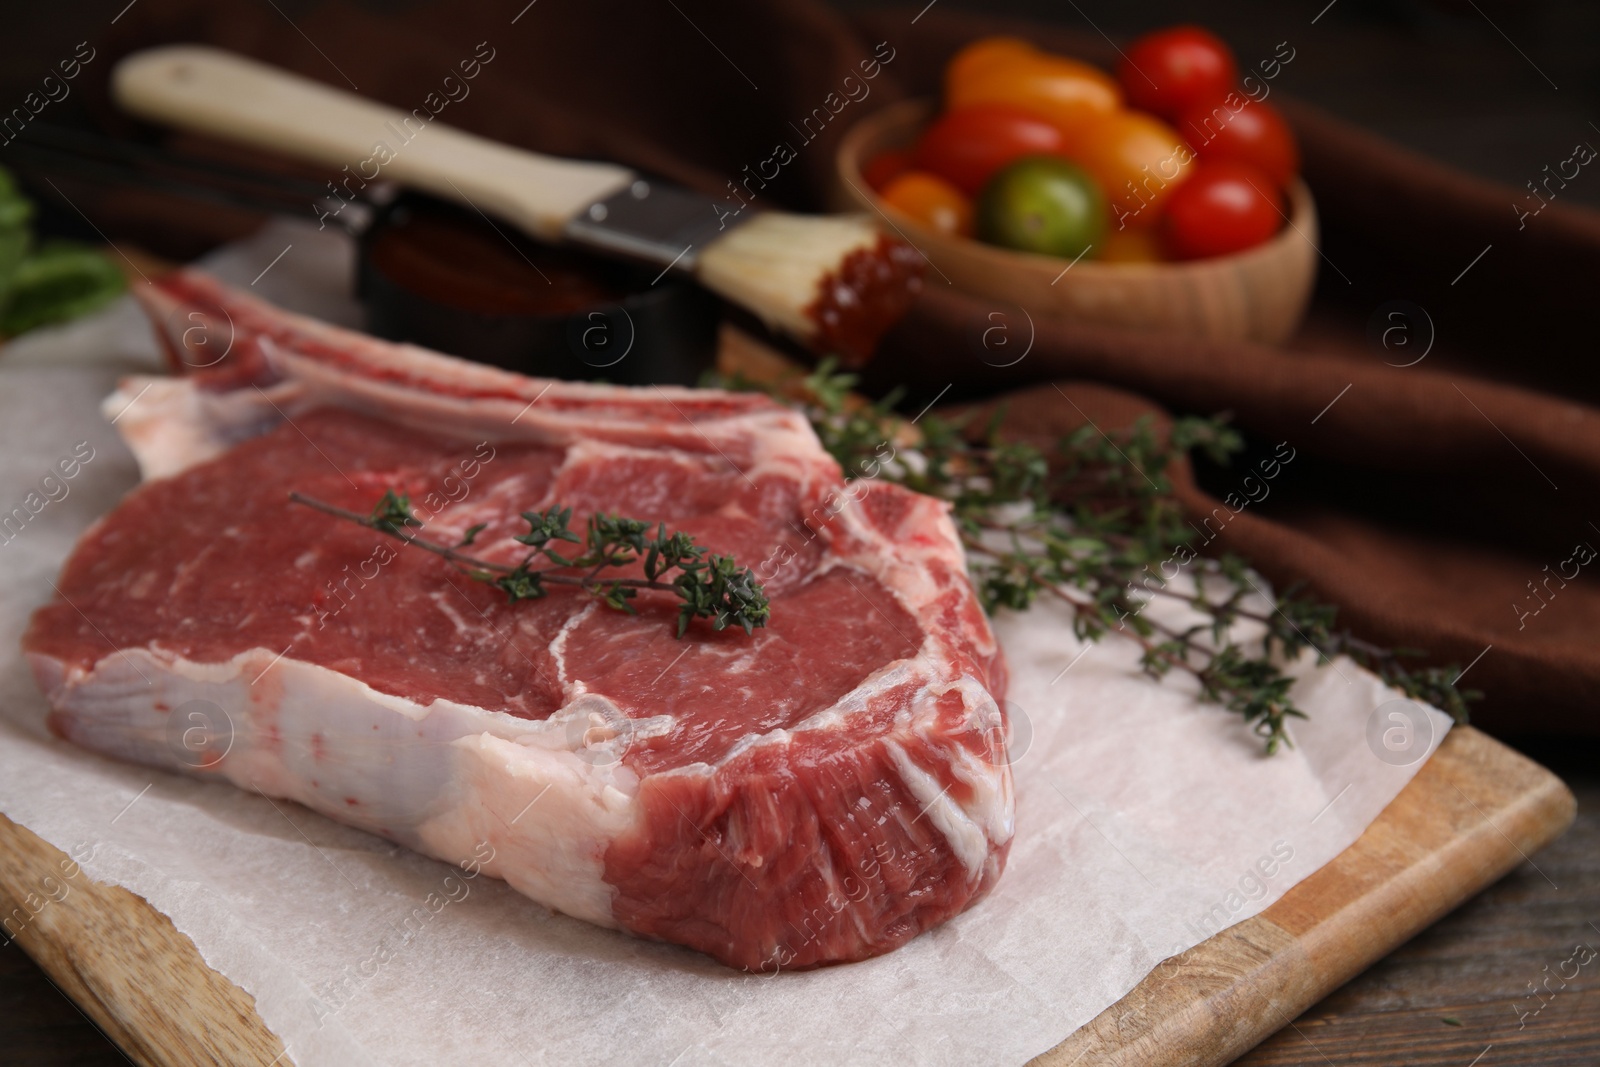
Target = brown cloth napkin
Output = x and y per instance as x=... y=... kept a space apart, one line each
x=1430 y=502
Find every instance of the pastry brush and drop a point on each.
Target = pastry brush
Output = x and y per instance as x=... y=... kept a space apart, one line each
x=835 y=283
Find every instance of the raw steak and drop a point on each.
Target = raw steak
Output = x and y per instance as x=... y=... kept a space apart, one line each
x=819 y=791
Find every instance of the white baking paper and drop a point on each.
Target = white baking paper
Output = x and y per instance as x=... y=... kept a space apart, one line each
x=1145 y=822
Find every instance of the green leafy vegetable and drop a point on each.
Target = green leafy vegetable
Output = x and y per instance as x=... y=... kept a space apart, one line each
x=58 y=281
x=15 y=237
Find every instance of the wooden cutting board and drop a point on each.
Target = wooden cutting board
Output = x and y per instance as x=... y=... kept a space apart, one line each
x=1474 y=812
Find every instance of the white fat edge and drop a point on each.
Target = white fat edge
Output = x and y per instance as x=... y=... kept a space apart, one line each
x=572 y=727
x=252 y=666
x=993 y=803
x=540 y=819
x=617 y=412
x=462 y=762
x=587 y=452
x=514 y=419
x=890 y=675
x=781 y=452
x=434 y=366
x=966 y=837
x=495 y=501
x=170 y=424
x=558 y=651
x=126 y=676
x=258 y=664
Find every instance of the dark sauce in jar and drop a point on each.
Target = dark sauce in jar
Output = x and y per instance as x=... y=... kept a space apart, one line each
x=460 y=259
x=442 y=276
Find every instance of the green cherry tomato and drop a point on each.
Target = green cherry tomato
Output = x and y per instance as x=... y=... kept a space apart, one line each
x=1042 y=204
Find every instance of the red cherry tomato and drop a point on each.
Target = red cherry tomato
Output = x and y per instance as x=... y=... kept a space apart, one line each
x=885 y=167
x=1225 y=207
x=1242 y=130
x=967 y=145
x=1172 y=70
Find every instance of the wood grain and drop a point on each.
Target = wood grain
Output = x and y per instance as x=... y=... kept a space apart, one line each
x=1469 y=816
x=124 y=963
x=1474 y=812
x=1458 y=991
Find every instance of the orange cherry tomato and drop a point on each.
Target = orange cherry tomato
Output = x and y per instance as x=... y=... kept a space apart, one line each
x=1138 y=160
x=968 y=145
x=1063 y=91
x=982 y=54
x=932 y=201
x=1131 y=246
x=885 y=167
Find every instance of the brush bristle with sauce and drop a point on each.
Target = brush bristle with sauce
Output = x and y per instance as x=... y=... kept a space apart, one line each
x=836 y=283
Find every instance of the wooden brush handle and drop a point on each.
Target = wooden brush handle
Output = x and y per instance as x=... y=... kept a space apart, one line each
x=219 y=93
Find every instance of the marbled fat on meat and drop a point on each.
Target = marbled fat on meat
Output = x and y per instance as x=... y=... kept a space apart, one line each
x=817 y=792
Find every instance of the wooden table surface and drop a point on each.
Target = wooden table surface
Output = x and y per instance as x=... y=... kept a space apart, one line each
x=1458 y=995
x=1461 y=989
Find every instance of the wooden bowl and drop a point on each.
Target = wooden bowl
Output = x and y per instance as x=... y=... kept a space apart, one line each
x=1256 y=295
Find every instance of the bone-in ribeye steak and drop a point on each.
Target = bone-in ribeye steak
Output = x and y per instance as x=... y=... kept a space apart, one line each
x=819 y=791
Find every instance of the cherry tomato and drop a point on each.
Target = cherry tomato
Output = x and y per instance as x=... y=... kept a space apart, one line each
x=932 y=201
x=885 y=167
x=1245 y=131
x=1064 y=91
x=1131 y=246
x=967 y=145
x=1226 y=207
x=1042 y=204
x=1138 y=160
x=982 y=54
x=1172 y=70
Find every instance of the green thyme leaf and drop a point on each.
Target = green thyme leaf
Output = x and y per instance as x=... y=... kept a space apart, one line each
x=392 y=513
x=714 y=588
x=1094 y=524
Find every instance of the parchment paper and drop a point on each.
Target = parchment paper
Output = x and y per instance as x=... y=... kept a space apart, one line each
x=1145 y=823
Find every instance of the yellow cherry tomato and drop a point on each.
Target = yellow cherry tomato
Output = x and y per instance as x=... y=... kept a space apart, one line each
x=931 y=201
x=982 y=54
x=1138 y=160
x=1067 y=93
x=1131 y=246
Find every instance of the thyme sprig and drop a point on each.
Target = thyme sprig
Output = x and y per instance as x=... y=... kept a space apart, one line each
x=1096 y=525
x=711 y=587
